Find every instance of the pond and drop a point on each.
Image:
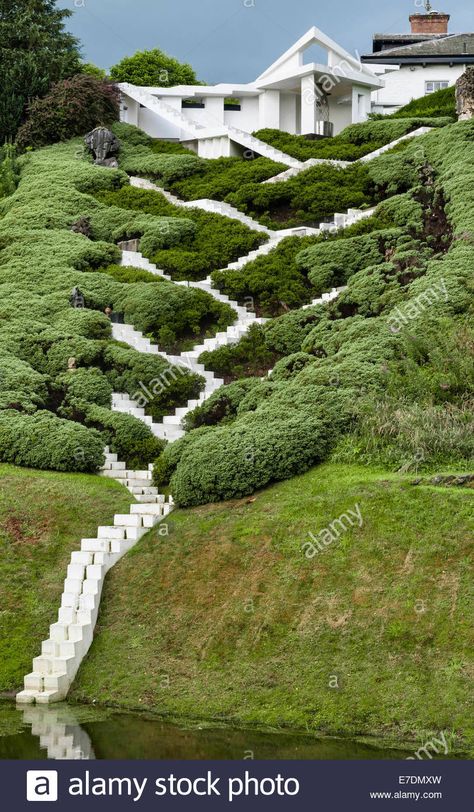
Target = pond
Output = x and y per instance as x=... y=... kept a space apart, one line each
x=74 y=732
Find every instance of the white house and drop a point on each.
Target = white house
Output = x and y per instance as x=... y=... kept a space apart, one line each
x=412 y=65
x=295 y=94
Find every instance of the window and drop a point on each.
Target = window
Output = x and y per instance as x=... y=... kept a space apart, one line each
x=431 y=87
x=232 y=104
x=192 y=104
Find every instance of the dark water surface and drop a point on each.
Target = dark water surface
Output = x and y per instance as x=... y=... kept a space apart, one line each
x=64 y=731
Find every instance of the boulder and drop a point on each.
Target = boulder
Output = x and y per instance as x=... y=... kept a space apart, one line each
x=103 y=145
x=465 y=95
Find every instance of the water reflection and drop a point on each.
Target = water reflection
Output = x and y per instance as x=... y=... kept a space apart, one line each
x=76 y=732
x=59 y=732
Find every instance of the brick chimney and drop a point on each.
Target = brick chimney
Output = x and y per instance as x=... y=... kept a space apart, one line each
x=434 y=22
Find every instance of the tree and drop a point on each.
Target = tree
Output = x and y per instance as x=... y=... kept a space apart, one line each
x=153 y=69
x=72 y=107
x=93 y=70
x=35 y=52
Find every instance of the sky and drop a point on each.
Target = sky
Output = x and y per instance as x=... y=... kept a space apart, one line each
x=235 y=40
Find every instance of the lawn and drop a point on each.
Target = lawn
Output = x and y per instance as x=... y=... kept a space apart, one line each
x=43 y=517
x=227 y=618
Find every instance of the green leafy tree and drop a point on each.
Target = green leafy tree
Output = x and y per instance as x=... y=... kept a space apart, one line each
x=153 y=69
x=93 y=70
x=35 y=52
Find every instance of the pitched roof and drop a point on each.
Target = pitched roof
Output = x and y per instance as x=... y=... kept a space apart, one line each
x=312 y=37
x=455 y=45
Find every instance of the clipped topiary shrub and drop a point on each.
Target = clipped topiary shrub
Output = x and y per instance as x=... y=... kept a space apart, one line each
x=307 y=199
x=358 y=140
x=209 y=242
x=44 y=441
x=236 y=460
x=88 y=384
x=220 y=177
x=330 y=264
x=126 y=436
x=221 y=406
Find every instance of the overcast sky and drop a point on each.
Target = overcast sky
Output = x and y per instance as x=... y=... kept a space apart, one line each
x=235 y=40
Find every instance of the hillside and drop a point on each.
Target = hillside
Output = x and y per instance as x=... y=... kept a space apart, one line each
x=228 y=619
x=360 y=378
x=42 y=516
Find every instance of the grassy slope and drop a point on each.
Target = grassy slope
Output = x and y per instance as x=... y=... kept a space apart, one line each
x=226 y=618
x=43 y=517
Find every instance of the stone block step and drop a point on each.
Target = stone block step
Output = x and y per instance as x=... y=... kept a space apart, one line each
x=127 y=520
x=101 y=545
x=109 y=532
x=155 y=509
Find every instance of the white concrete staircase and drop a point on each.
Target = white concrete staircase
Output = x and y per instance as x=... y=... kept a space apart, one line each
x=262 y=148
x=170 y=428
x=294 y=171
x=164 y=110
x=325 y=298
x=70 y=637
x=205 y=204
x=191 y=130
x=59 y=733
x=349 y=218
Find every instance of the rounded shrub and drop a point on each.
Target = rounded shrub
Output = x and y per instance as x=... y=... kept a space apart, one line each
x=42 y=440
x=221 y=406
x=236 y=460
x=86 y=384
x=126 y=436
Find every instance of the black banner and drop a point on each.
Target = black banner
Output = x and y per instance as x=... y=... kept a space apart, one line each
x=244 y=785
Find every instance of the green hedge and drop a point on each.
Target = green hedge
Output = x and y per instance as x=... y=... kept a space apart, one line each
x=44 y=441
x=356 y=140
x=87 y=384
x=274 y=282
x=309 y=198
x=330 y=264
x=125 y=435
x=234 y=461
x=173 y=315
x=221 y=406
x=165 y=167
x=440 y=103
x=213 y=243
x=250 y=356
x=217 y=178
x=150 y=379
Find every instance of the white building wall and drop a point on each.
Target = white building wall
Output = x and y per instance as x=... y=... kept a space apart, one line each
x=288 y=113
x=130 y=112
x=247 y=118
x=156 y=126
x=401 y=86
x=214 y=110
x=361 y=104
x=340 y=115
x=308 y=105
x=269 y=106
